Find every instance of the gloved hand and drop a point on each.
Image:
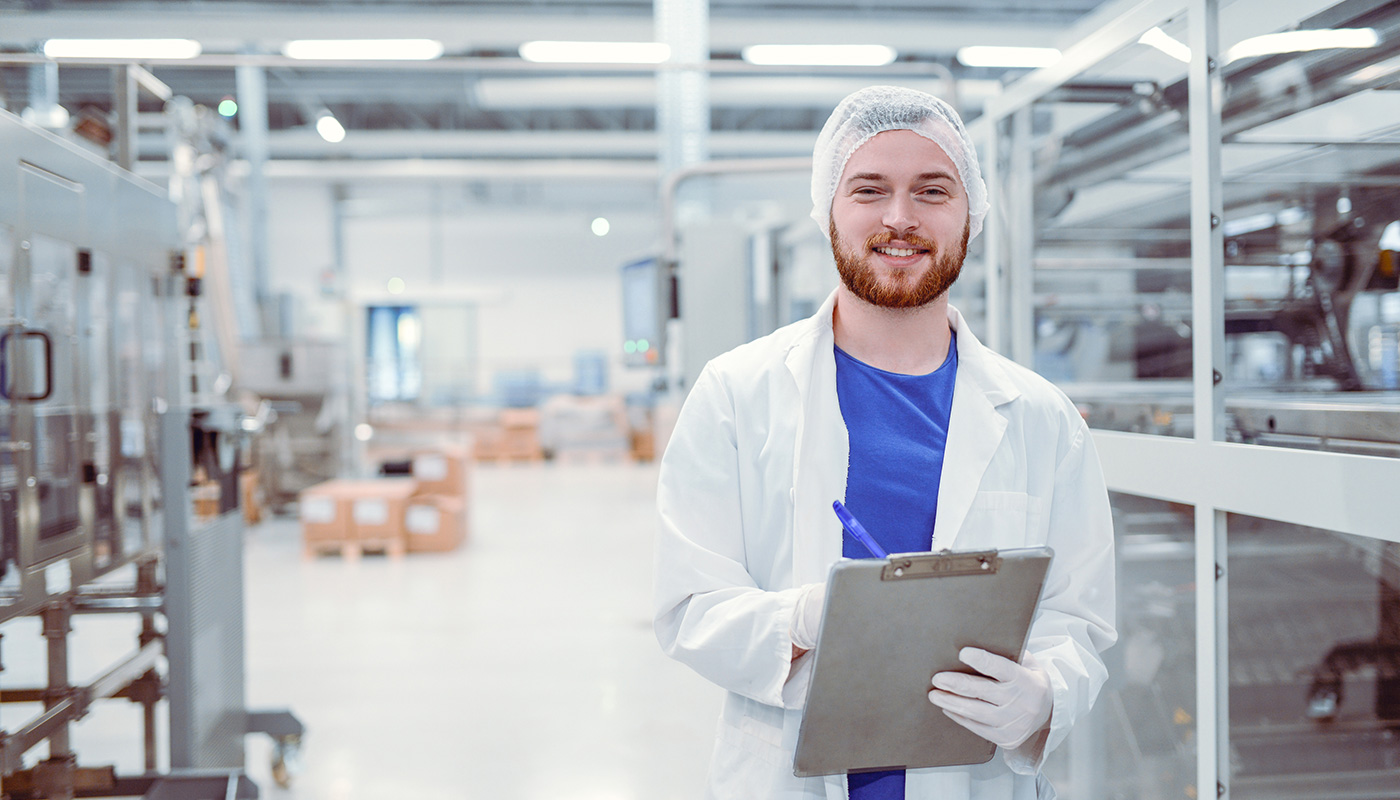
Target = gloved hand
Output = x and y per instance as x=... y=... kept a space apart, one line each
x=1006 y=708
x=807 y=618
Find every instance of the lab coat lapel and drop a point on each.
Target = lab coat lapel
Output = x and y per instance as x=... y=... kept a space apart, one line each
x=975 y=430
x=821 y=453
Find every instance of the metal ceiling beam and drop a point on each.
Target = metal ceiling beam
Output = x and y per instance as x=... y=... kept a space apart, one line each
x=640 y=145
x=462 y=31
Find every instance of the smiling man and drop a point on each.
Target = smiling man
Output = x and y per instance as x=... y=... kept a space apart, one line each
x=884 y=400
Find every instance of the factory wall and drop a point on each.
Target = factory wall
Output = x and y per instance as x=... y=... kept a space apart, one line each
x=540 y=284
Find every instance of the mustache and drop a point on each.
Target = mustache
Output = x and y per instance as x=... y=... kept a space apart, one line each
x=886 y=237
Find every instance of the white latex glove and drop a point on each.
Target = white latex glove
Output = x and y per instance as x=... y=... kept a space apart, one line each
x=1006 y=708
x=807 y=617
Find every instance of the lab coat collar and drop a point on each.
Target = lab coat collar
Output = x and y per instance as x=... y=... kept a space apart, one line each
x=822 y=452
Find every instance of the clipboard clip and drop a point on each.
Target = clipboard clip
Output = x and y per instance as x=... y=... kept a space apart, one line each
x=941 y=565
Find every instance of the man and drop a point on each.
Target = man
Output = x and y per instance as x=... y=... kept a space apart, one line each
x=885 y=400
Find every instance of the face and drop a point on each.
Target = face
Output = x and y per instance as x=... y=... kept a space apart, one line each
x=899 y=221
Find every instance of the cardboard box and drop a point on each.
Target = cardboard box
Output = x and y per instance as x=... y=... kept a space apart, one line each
x=376 y=509
x=442 y=470
x=435 y=523
x=206 y=497
x=250 y=497
x=356 y=513
x=520 y=435
x=324 y=515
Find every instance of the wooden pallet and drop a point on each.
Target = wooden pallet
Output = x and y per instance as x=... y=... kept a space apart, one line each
x=352 y=550
x=591 y=455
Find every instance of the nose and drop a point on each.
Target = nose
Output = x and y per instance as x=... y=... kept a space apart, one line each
x=899 y=214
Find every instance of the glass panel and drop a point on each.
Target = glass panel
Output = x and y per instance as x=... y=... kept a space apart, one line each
x=1137 y=744
x=57 y=458
x=1311 y=232
x=9 y=481
x=1095 y=183
x=1314 y=662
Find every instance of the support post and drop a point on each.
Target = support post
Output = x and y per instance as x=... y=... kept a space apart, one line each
x=251 y=85
x=124 y=97
x=54 y=777
x=1208 y=346
x=1021 y=256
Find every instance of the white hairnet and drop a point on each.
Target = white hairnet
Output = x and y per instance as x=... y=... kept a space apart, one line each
x=876 y=109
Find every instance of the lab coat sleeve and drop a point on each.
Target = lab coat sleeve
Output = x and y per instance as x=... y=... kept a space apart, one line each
x=1075 y=622
x=709 y=612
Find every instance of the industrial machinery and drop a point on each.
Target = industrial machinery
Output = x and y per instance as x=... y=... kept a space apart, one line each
x=103 y=424
x=1096 y=256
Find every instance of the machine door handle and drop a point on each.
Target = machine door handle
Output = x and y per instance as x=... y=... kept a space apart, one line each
x=24 y=335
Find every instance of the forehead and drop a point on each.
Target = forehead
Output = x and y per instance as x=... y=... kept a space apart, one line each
x=900 y=153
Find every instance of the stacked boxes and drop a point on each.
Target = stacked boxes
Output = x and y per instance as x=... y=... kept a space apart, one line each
x=425 y=513
x=436 y=520
x=520 y=435
x=435 y=523
x=355 y=516
x=325 y=520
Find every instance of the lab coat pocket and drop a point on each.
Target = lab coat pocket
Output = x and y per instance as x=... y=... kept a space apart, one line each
x=735 y=746
x=999 y=520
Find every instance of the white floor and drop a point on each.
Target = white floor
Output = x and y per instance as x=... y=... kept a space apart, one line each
x=522 y=666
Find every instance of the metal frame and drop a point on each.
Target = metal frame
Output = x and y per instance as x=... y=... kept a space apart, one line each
x=1333 y=491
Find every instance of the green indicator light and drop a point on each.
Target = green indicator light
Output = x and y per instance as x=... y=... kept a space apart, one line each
x=629 y=347
x=227 y=107
x=643 y=346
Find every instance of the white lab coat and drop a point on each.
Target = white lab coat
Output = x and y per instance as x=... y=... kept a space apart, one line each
x=758 y=454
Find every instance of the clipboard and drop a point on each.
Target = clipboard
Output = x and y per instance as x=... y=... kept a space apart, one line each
x=889 y=625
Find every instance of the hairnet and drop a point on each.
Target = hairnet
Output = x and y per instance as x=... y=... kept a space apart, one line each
x=876 y=109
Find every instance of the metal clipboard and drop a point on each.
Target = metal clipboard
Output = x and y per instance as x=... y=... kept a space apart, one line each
x=889 y=625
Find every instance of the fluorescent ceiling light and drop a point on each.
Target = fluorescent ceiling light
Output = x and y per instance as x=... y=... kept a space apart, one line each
x=988 y=56
x=819 y=55
x=363 y=49
x=595 y=52
x=1300 y=41
x=122 y=48
x=330 y=128
x=1159 y=39
x=1250 y=224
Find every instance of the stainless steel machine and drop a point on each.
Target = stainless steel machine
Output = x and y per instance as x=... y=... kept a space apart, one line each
x=100 y=435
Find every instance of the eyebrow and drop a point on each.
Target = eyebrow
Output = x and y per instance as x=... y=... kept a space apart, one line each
x=925 y=176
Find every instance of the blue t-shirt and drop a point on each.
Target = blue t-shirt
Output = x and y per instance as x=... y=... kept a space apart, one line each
x=898 y=428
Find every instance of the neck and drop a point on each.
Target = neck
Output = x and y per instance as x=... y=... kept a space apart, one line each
x=907 y=341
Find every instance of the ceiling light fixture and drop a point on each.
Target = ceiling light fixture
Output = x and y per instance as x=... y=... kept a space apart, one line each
x=122 y=48
x=329 y=127
x=820 y=55
x=1159 y=39
x=595 y=52
x=989 y=56
x=363 y=49
x=1300 y=41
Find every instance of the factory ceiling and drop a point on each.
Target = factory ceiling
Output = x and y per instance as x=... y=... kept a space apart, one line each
x=481 y=100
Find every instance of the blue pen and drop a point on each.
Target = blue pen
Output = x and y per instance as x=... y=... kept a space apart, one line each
x=857 y=532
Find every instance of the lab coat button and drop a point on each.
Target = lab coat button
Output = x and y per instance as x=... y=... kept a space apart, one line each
x=792 y=495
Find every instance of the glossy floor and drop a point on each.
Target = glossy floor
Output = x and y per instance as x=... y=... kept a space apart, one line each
x=521 y=666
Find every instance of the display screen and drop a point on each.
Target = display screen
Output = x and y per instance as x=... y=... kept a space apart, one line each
x=643 y=324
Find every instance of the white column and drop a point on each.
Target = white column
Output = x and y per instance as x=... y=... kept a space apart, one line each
x=683 y=99
x=1208 y=346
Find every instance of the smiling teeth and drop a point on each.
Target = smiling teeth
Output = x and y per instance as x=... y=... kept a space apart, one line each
x=898 y=252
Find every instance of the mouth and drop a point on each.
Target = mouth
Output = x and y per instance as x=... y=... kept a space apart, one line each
x=899 y=252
